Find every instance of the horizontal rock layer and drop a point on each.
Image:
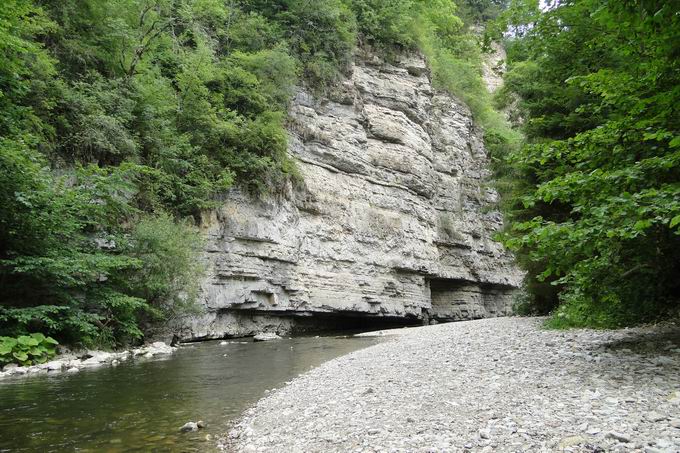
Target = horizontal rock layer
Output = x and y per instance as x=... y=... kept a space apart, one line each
x=394 y=217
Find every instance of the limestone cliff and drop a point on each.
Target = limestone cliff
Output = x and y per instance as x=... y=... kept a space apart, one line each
x=394 y=217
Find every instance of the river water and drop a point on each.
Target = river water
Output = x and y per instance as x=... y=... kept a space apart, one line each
x=140 y=404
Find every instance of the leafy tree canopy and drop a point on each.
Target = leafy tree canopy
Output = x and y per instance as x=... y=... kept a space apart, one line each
x=595 y=191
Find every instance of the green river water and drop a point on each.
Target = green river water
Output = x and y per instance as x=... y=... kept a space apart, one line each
x=140 y=404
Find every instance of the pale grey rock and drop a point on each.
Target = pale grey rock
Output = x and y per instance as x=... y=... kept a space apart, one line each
x=655 y=416
x=663 y=360
x=55 y=365
x=99 y=356
x=266 y=336
x=189 y=427
x=73 y=370
x=394 y=217
x=156 y=348
x=493 y=67
x=91 y=362
x=72 y=363
x=105 y=243
x=618 y=436
x=159 y=345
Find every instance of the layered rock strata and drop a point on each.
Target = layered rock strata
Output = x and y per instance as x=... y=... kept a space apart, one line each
x=393 y=219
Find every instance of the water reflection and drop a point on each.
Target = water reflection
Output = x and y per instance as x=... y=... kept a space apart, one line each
x=139 y=406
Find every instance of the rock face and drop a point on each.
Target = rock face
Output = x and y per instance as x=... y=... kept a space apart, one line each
x=394 y=217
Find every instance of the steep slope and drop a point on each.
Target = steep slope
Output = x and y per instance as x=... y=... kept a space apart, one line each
x=394 y=219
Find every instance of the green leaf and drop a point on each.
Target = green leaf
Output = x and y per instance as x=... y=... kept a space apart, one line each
x=38 y=336
x=675 y=221
x=26 y=340
x=20 y=356
x=642 y=225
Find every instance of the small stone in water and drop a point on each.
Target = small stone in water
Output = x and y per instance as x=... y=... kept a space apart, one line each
x=189 y=427
x=266 y=336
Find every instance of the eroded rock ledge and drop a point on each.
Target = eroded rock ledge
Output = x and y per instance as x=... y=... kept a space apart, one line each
x=394 y=220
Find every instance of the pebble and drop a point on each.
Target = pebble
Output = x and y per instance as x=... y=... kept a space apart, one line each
x=618 y=436
x=655 y=417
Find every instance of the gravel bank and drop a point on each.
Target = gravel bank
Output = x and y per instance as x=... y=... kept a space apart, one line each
x=489 y=385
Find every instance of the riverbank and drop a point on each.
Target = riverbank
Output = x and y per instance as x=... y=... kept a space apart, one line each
x=490 y=385
x=72 y=362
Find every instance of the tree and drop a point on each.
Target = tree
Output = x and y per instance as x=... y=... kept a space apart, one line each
x=595 y=206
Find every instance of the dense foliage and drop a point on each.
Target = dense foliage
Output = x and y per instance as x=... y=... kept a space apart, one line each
x=595 y=199
x=115 y=113
x=122 y=120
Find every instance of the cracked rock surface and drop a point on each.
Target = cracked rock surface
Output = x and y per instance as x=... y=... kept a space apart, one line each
x=501 y=384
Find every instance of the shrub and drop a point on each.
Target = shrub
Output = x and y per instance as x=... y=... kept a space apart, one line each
x=27 y=349
x=170 y=268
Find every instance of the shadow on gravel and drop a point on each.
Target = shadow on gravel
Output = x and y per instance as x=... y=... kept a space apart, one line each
x=648 y=343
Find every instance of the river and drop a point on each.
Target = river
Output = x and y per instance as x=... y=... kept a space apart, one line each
x=139 y=405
